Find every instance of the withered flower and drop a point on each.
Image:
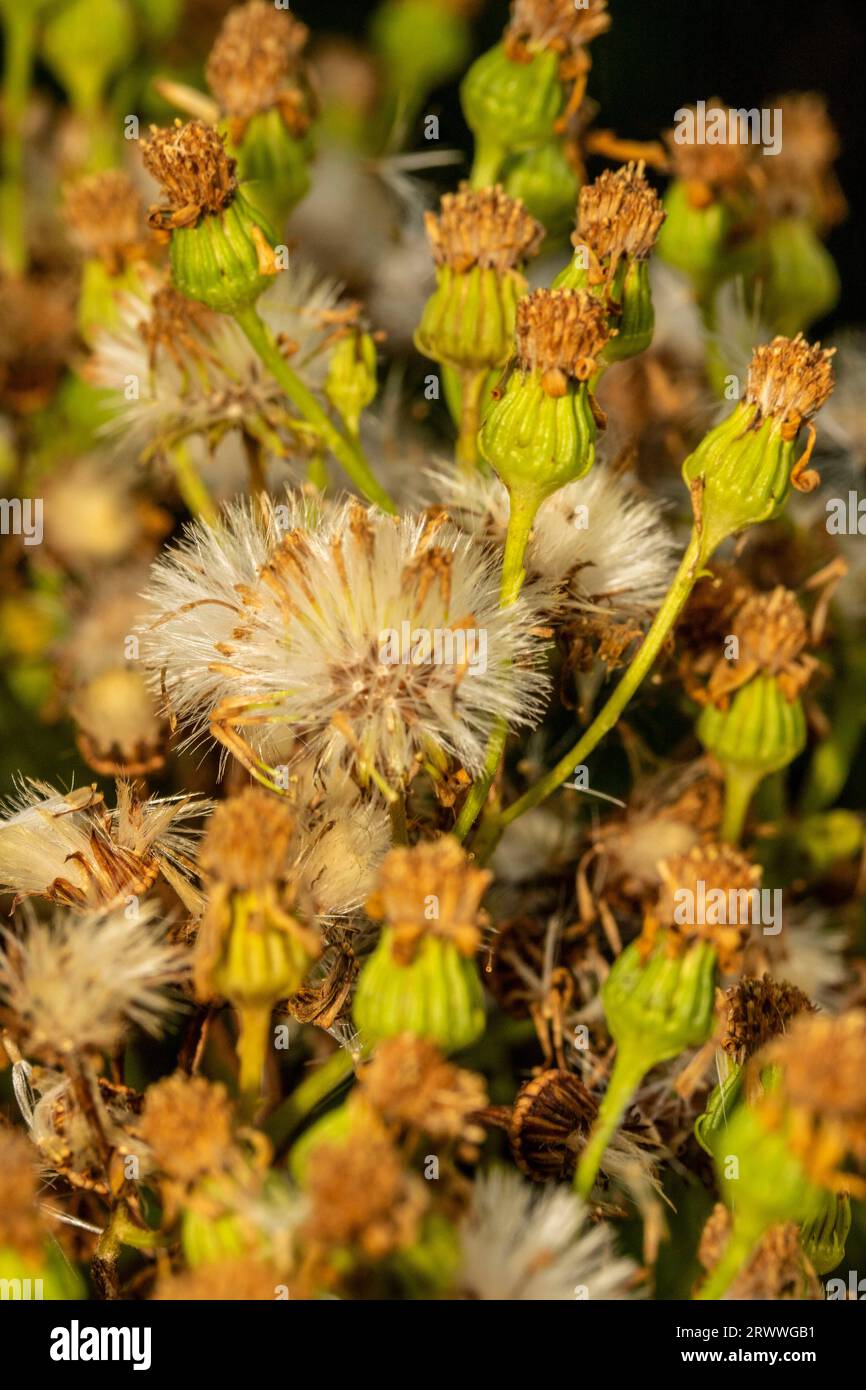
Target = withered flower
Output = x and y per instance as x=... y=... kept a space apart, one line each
x=707 y=874
x=778 y=1269
x=619 y=215
x=196 y=173
x=254 y=66
x=411 y=1085
x=482 y=227
x=560 y=334
x=772 y=632
x=431 y=890
x=105 y=215
x=362 y=1197
x=756 y=1011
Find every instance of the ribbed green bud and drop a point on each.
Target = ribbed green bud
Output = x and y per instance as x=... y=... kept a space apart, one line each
x=351 y=381
x=509 y=106
x=761 y=730
x=468 y=321
x=825 y=1236
x=661 y=1004
x=802 y=282
x=260 y=961
x=537 y=442
x=274 y=165
x=698 y=240
x=546 y=184
x=437 y=995
x=421 y=42
x=634 y=317
x=220 y=261
x=85 y=43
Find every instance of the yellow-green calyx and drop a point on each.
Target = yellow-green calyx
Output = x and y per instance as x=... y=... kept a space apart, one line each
x=351 y=381
x=546 y=183
x=509 y=106
x=480 y=240
x=221 y=248
x=741 y=472
x=541 y=434
x=802 y=282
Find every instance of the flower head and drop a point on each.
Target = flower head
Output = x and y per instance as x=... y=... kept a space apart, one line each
x=757 y=1011
x=254 y=63
x=411 y=1085
x=105 y=215
x=619 y=215
x=196 y=173
x=789 y=380
x=702 y=874
x=560 y=334
x=187 y=1125
x=482 y=227
x=439 y=872
x=559 y=25
x=77 y=983
x=361 y=1196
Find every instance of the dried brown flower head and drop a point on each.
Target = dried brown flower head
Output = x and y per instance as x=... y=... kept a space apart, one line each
x=822 y=1095
x=799 y=180
x=559 y=335
x=618 y=215
x=757 y=1011
x=772 y=632
x=105 y=214
x=254 y=64
x=177 y=326
x=482 y=227
x=361 y=1196
x=548 y=1124
x=556 y=24
x=778 y=1269
x=239 y=1279
x=410 y=1084
x=790 y=379
x=723 y=880
x=120 y=732
x=431 y=889
x=197 y=176
x=248 y=840
x=711 y=170
x=20 y=1227
x=187 y=1124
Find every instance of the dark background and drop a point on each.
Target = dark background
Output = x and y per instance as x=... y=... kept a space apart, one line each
x=663 y=54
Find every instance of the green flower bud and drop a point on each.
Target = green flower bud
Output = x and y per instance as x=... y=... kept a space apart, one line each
x=830 y=837
x=546 y=184
x=85 y=44
x=510 y=106
x=424 y=42
x=274 y=166
x=695 y=239
x=438 y=995
x=351 y=381
x=825 y=1236
x=221 y=248
x=541 y=434
x=479 y=241
x=741 y=472
x=761 y=731
x=802 y=282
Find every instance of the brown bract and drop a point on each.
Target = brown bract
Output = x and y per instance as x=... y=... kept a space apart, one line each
x=790 y=380
x=432 y=889
x=196 y=174
x=105 y=214
x=559 y=25
x=482 y=227
x=560 y=334
x=756 y=1011
x=254 y=64
x=361 y=1196
x=548 y=1125
x=620 y=214
x=410 y=1084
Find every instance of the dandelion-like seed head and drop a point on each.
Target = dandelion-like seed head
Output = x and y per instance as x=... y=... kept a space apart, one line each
x=77 y=983
x=483 y=227
x=105 y=215
x=254 y=58
x=790 y=379
x=196 y=174
x=560 y=334
x=409 y=879
x=261 y=631
x=620 y=214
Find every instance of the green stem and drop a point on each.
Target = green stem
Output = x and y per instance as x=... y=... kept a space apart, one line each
x=20 y=33
x=252 y=1049
x=629 y=1070
x=520 y=519
x=666 y=617
x=347 y=451
x=309 y=1094
x=192 y=489
x=472 y=393
x=489 y=158
x=741 y=783
x=741 y=1244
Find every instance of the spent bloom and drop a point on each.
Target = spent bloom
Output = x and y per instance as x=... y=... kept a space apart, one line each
x=330 y=632
x=76 y=983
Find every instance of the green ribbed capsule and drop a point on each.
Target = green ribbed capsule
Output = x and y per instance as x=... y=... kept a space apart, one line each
x=260 y=962
x=825 y=1236
x=745 y=466
x=701 y=242
x=761 y=730
x=629 y=302
x=509 y=107
x=802 y=282
x=537 y=442
x=546 y=184
x=468 y=321
x=217 y=262
x=437 y=996
x=351 y=381
x=274 y=165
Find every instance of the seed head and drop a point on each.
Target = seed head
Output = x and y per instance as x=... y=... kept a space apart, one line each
x=197 y=176
x=619 y=215
x=559 y=25
x=254 y=62
x=106 y=217
x=719 y=868
x=409 y=1083
x=757 y=1011
x=790 y=379
x=560 y=334
x=187 y=1125
x=482 y=227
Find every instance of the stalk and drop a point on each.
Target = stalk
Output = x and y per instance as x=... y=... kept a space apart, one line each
x=348 y=452
x=628 y=1072
x=741 y=783
x=191 y=487
x=738 y=1251
x=489 y=158
x=472 y=392
x=252 y=1048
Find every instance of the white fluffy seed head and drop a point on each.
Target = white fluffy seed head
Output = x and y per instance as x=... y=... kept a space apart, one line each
x=319 y=628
